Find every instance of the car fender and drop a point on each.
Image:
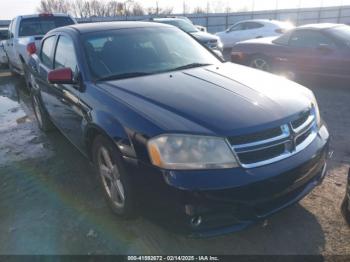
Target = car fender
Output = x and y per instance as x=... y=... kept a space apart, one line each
x=102 y=123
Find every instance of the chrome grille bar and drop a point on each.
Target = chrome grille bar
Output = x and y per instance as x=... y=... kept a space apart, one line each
x=291 y=138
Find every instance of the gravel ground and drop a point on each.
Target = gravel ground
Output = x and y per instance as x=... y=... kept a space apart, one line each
x=50 y=202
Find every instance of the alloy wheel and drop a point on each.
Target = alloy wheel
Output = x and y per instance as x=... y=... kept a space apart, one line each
x=260 y=63
x=110 y=176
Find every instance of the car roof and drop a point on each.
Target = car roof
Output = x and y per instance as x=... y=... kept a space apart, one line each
x=39 y=15
x=319 y=26
x=168 y=19
x=103 y=26
x=264 y=21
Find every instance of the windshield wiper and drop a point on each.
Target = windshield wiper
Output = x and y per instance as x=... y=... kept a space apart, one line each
x=123 y=75
x=192 y=65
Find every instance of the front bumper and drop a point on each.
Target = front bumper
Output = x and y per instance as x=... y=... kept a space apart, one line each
x=214 y=202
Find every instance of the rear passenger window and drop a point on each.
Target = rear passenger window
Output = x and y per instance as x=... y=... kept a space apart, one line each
x=252 y=25
x=46 y=51
x=309 y=39
x=65 y=54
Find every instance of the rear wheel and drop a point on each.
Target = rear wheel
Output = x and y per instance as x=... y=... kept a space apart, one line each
x=345 y=208
x=41 y=116
x=27 y=77
x=12 y=71
x=261 y=63
x=116 y=183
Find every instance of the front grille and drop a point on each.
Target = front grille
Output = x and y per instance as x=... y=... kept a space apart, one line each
x=301 y=119
x=261 y=154
x=274 y=144
x=251 y=138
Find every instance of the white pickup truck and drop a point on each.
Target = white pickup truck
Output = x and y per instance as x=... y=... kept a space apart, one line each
x=3 y=37
x=29 y=29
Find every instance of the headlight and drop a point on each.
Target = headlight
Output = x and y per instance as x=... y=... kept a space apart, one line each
x=220 y=44
x=190 y=152
x=316 y=109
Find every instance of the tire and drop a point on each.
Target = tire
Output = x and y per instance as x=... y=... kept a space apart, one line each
x=12 y=71
x=42 y=117
x=345 y=209
x=116 y=184
x=260 y=62
x=26 y=76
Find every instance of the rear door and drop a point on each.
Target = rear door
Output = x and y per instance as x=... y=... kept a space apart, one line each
x=253 y=30
x=44 y=67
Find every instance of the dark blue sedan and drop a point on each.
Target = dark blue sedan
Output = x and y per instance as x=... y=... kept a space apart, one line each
x=211 y=147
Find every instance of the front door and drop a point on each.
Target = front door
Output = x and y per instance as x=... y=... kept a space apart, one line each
x=69 y=112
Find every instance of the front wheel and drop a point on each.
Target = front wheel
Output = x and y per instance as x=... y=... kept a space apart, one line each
x=261 y=63
x=116 y=183
x=12 y=71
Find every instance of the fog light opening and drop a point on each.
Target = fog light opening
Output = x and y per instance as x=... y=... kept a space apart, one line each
x=196 y=221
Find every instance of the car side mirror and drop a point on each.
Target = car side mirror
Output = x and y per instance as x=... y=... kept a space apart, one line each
x=61 y=76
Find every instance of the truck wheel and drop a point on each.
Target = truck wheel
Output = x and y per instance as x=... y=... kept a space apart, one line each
x=12 y=71
x=44 y=121
x=26 y=76
x=116 y=183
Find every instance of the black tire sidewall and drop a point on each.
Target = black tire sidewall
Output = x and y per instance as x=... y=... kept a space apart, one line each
x=129 y=208
x=345 y=210
x=265 y=58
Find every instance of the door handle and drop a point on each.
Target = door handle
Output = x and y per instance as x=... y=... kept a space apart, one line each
x=282 y=59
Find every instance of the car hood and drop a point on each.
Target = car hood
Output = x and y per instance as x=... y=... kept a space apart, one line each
x=204 y=37
x=223 y=99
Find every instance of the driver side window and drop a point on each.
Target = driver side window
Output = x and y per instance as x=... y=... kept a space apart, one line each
x=237 y=27
x=309 y=39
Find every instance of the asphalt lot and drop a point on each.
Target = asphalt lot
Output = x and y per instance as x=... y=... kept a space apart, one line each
x=50 y=202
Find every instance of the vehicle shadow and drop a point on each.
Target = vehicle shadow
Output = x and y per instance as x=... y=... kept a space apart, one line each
x=52 y=204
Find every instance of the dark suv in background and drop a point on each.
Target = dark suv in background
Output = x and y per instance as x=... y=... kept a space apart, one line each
x=207 y=39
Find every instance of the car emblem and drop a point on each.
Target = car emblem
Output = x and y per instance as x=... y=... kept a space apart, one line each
x=291 y=144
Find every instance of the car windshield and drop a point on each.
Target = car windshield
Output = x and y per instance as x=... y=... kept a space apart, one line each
x=183 y=25
x=342 y=33
x=42 y=25
x=124 y=53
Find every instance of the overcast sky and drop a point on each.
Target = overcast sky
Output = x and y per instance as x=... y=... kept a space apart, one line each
x=11 y=8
